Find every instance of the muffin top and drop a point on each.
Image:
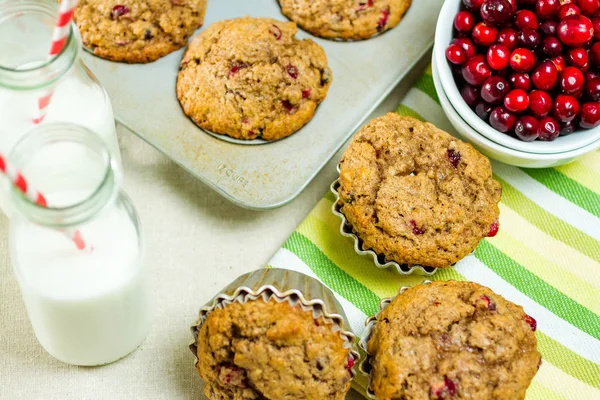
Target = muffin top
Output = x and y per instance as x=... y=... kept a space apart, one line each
x=137 y=31
x=251 y=78
x=345 y=19
x=454 y=340
x=415 y=194
x=271 y=350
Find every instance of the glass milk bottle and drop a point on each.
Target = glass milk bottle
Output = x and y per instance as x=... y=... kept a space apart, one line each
x=26 y=74
x=87 y=307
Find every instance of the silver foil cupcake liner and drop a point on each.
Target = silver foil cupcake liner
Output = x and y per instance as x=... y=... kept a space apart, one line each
x=283 y=285
x=380 y=260
x=364 y=367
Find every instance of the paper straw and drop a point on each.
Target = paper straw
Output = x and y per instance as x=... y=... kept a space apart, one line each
x=60 y=34
x=19 y=181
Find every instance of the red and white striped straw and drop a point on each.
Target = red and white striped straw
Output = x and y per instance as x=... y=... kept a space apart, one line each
x=19 y=181
x=60 y=35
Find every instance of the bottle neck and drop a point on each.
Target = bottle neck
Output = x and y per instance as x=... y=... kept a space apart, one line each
x=25 y=35
x=72 y=167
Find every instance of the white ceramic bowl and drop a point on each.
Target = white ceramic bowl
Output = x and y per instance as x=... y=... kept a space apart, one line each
x=496 y=151
x=443 y=37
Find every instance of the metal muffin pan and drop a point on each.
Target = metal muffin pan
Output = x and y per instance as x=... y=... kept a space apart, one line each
x=273 y=174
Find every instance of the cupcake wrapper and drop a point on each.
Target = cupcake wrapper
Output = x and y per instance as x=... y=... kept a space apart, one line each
x=364 y=367
x=282 y=285
x=379 y=259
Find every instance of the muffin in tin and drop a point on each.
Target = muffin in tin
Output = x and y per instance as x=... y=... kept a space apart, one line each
x=345 y=19
x=250 y=78
x=456 y=340
x=416 y=195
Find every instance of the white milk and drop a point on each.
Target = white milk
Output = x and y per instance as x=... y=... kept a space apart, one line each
x=75 y=100
x=86 y=308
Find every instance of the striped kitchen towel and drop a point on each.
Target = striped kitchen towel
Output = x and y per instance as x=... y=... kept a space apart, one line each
x=546 y=258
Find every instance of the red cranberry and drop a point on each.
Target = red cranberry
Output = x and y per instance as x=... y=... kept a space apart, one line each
x=508 y=37
x=501 y=119
x=293 y=71
x=475 y=71
x=489 y=304
x=531 y=321
x=385 y=15
x=494 y=89
x=571 y=80
x=592 y=89
x=568 y=9
x=305 y=93
x=565 y=108
x=464 y=21
x=549 y=129
x=470 y=94
x=588 y=7
x=526 y=19
x=484 y=34
x=443 y=390
x=513 y=5
x=520 y=81
x=596 y=24
x=578 y=58
x=594 y=54
x=540 y=103
x=526 y=128
x=494 y=228
x=548 y=28
x=544 y=75
x=566 y=128
x=589 y=75
x=350 y=363
x=415 y=228
x=473 y=4
x=589 y=117
x=516 y=101
x=522 y=60
x=274 y=29
x=496 y=11
x=575 y=30
x=453 y=157
x=559 y=62
x=454 y=53
x=467 y=45
x=119 y=10
x=291 y=109
x=547 y=9
x=483 y=110
x=528 y=38
x=497 y=56
x=551 y=46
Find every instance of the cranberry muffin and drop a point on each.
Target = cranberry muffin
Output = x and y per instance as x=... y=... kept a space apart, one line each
x=416 y=195
x=271 y=350
x=345 y=19
x=452 y=340
x=250 y=78
x=137 y=31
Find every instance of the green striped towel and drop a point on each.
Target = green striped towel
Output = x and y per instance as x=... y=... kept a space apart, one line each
x=546 y=258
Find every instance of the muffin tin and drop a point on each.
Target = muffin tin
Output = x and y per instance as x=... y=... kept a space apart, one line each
x=268 y=175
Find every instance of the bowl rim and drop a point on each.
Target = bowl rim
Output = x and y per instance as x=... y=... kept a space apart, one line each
x=472 y=135
x=560 y=145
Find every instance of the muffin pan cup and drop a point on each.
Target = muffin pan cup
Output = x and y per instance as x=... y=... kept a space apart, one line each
x=379 y=259
x=364 y=367
x=282 y=285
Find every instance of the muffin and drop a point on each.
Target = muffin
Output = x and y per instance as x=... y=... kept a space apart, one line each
x=137 y=31
x=456 y=340
x=345 y=19
x=250 y=78
x=270 y=335
x=416 y=195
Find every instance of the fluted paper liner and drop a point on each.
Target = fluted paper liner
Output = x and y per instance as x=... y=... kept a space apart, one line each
x=282 y=285
x=365 y=364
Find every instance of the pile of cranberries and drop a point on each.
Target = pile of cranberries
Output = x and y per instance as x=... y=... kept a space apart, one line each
x=529 y=68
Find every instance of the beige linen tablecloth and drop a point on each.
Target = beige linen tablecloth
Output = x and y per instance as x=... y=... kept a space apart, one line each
x=196 y=243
